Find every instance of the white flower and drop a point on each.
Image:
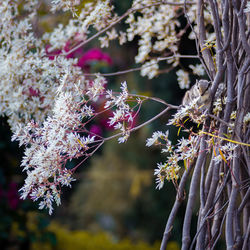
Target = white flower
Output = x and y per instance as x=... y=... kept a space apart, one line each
x=197 y=69
x=154 y=139
x=65 y=178
x=112 y=34
x=160 y=178
x=122 y=37
x=229 y=150
x=97 y=87
x=183 y=79
x=104 y=41
x=87 y=111
x=150 y=69
x=124 y=138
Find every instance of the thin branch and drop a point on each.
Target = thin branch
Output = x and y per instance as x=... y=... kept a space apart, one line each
x=244 y=201
x=232 y=203
x=90 y=154
x=216 y=20
x=196 y=41
x=156 y=99
x=178 y=4
x=142 y=67
x=139 y=126
x=201 y=228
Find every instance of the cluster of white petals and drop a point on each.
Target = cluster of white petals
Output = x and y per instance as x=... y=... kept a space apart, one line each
x=99 y=14
x=197 y=69
x=122 y=118
x=185 y=151
x=226 y=153
x=183 y=79
x=156 y=23
x=64 y=5
x=50 y=145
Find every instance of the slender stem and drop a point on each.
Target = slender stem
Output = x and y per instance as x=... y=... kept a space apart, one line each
x=137 y=127
x=90 y=154
x=142 y=67
x=201 y=228
x=209 y=202
x=156 y=99
x=244 y=201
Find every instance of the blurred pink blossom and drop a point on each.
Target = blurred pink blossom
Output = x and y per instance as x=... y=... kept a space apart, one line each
x=94 y=55
x=96 y=129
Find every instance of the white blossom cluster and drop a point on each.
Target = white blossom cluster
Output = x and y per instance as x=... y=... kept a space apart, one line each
x=64 y=5
x=226 y=153
x=192 y=15
x=123 y=115
x=192 y=110
x=156 y=26
x=197 y=69
x=28 y=78
x=183 y=79
x=154 y=23
x=99 y=14
x=43 y=95
x=185 y=151
x=183 y=76
x=59 y=139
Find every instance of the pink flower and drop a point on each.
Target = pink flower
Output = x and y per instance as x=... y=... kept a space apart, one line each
x=94 y=55
x=96 y=129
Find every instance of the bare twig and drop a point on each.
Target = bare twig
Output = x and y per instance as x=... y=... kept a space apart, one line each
x=142 y=67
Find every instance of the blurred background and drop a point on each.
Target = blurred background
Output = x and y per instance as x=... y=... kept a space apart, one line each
x=114 y=203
